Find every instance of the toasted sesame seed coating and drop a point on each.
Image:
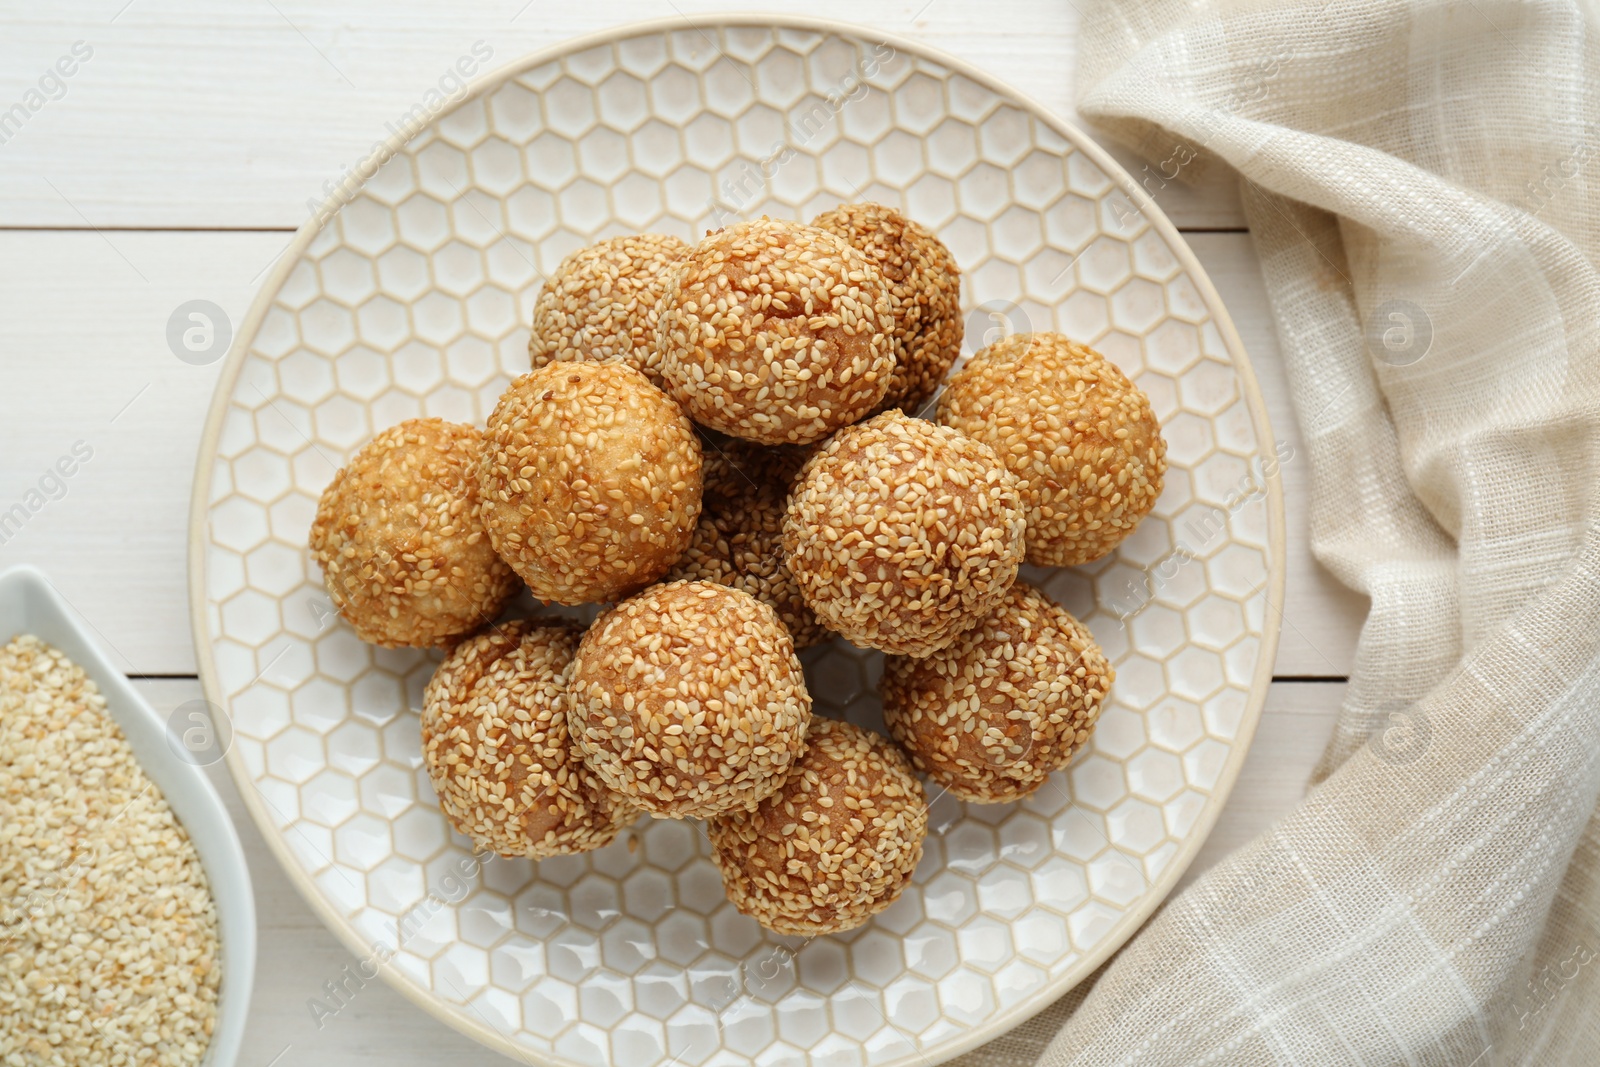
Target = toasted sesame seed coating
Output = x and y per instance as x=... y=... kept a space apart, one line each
x=776 y=332
x=902 y=533
x=924 y=290
x=739 y=544
x=835 y=845
x=1078 y=434
x=601 y=303
x=401 y=542
x=689 y=699
x=497 y=748
x=1008 y=704
x=590 y=479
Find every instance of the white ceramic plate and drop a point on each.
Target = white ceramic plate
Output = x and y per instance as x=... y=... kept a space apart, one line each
x=30 y=604
x=414 y=299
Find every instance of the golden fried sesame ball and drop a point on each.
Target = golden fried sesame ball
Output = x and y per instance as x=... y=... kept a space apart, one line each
x=590 y=479
x=600 y=304
x=495 y=742
x=835 y=845
x=739 y=544
x=401 y=541
x=924 y=290
x=1074 y=429
x=776 y=332
x=902 y=533
x=689 y=700
x=1008 y=704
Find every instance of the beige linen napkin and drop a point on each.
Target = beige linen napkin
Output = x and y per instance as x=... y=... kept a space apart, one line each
x=1422 y=182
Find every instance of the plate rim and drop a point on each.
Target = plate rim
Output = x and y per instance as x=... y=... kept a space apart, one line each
x=462 y=1017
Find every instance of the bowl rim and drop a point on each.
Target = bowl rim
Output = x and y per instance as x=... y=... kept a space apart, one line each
x=188 y=791
x=461 y=1016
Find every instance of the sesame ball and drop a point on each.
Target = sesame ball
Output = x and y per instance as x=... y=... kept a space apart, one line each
x=401 y=541
x=590 y=479
x=835 y=845
x=689 y=700
x=902 y=533
x=776 y=332
x=600 y=304
x=1078 y=434
x=739 y=544
x=924 y=291
x=495 y=742
x=1009 y=703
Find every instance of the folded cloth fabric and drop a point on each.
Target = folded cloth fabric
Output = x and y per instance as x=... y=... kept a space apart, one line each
x=1422 y=181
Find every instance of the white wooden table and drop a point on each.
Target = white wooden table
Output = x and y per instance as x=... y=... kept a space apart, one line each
x=174 y=164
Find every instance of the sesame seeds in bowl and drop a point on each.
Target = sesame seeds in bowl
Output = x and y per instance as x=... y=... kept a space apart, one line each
x=128 y=924
x=1174 y=722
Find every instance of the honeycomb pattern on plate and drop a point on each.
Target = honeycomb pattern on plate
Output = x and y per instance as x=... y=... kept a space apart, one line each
x=414 y=301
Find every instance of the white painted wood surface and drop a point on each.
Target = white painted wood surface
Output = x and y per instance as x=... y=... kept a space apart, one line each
x=220 y=113
x=175 y=164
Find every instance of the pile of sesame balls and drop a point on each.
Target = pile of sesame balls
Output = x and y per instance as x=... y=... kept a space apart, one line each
x=724 y=444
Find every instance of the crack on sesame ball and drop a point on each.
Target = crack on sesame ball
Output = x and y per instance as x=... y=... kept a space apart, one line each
x=590 y=480
x=689 y=700
x=834 y=845
x=776 y=332
x=602 y=304
x=1077 y=433
x=924 y=290
x=400 y=538
x=496 y=744
x=902 y=533
x=1009 y=703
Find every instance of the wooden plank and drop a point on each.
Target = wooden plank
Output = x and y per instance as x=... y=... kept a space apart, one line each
x=380 y=1027
x=210 y=114
x=87 y=361
x=87 y=341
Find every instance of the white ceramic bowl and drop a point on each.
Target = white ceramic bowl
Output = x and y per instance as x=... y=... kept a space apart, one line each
x=410 y=295
x=30 y=604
